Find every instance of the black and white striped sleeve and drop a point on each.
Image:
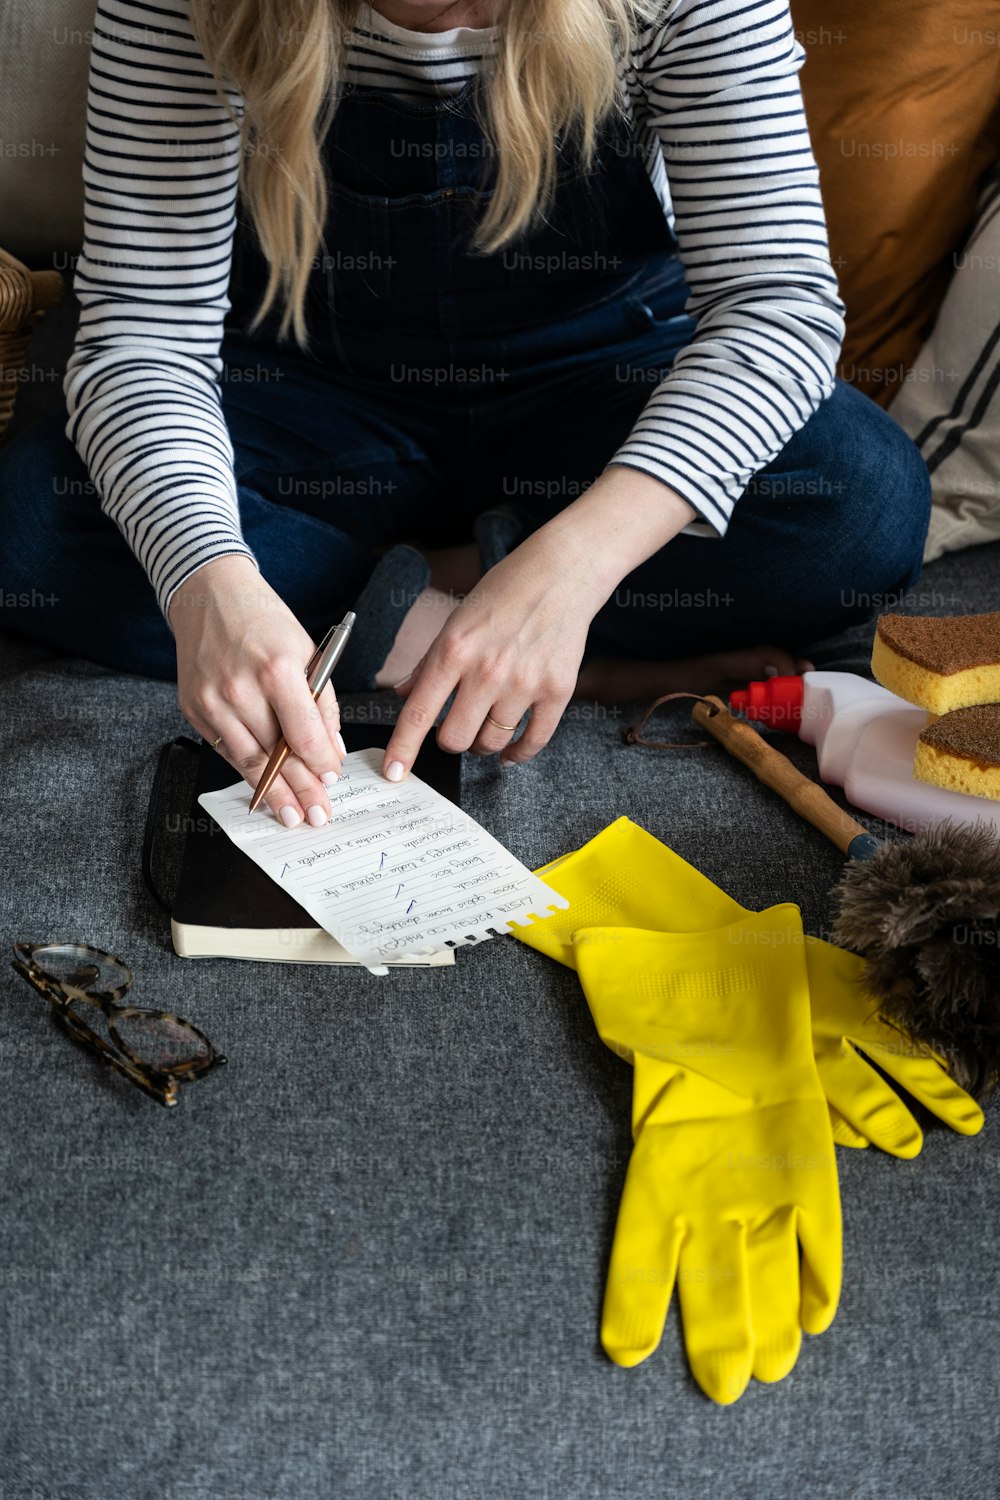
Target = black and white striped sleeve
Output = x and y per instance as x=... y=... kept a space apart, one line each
x=160 y=181
x=720 y=79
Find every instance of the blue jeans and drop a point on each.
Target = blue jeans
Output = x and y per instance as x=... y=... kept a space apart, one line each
x=333 y=466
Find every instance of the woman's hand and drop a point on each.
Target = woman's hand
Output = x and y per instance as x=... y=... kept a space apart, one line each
x=241 y=658
x=514 y=644
x=517 y=639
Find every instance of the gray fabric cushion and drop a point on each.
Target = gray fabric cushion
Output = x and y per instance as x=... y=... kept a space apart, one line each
x=366 y=1259
x=43 y=105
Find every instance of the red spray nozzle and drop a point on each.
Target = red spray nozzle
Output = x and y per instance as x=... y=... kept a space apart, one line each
x=777 y=702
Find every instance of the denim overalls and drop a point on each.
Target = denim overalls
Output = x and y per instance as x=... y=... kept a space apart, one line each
x=469 y=351
x=396 y=293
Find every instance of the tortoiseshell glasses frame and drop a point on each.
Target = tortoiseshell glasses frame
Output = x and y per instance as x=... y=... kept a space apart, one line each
x=164 y=1049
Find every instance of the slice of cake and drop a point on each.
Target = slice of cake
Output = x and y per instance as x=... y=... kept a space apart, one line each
x=961 y=751
x=939 y=663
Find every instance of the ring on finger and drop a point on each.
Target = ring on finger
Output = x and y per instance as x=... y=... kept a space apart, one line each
x=508 y=728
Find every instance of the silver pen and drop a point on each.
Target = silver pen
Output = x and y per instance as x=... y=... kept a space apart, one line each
x=319 y=669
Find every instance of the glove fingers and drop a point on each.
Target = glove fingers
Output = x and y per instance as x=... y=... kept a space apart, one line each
x=866 y=1102
x=926 y=1079
x=715 y=1307
x=845 y=1016
x=642 y=1270
x=820 y=1236
x=844 y=1134
x=775 y=1298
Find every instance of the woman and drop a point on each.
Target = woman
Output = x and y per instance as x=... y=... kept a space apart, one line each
x=550 y=275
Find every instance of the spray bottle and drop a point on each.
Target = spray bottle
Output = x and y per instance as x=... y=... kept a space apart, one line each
x=865 y=739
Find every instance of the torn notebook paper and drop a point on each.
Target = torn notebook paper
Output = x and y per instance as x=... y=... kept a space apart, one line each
x=398 y=870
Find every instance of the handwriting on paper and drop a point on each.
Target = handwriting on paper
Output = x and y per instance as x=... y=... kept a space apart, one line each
x=399 y=870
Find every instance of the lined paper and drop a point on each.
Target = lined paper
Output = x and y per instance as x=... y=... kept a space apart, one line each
x=399 y=871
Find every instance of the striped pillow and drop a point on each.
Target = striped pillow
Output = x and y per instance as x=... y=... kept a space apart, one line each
x=949 y=401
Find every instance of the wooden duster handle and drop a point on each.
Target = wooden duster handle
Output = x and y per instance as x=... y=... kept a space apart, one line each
x=776 y=771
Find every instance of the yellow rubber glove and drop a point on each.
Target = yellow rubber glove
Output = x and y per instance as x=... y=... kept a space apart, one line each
x=732 y=1172
x=624 y=877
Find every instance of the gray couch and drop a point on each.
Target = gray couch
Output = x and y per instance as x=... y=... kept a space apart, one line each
x=366 y=1259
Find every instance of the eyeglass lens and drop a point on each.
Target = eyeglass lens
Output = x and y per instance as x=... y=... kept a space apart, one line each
x=86 y=968
x=160 y=1042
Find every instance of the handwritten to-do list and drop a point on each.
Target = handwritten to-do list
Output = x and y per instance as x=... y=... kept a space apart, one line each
x=398 y=871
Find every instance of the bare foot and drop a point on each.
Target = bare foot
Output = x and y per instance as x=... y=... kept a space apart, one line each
x=420 y=628
x=454 y=571
x=610 y=679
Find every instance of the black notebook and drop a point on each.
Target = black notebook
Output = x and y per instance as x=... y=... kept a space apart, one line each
x=227 y=907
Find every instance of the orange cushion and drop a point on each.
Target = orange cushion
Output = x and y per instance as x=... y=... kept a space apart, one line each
x=903 y=103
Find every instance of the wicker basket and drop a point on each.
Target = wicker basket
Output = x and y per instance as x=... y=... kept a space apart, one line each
x=25 y=297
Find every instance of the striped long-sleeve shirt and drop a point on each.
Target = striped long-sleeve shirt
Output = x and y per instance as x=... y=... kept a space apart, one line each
x=715 y=99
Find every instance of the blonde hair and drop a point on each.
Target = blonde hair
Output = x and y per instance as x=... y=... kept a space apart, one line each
x=555 y=70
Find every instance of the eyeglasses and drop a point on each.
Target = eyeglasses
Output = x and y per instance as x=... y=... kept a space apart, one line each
x=153 y=1048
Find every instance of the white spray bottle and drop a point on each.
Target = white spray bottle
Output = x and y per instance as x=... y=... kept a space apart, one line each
x=865 y=740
